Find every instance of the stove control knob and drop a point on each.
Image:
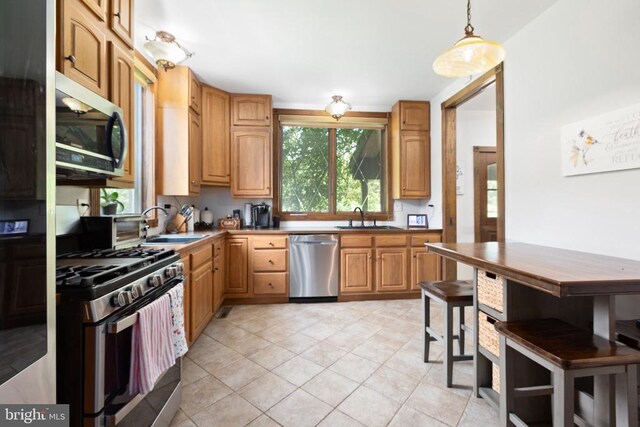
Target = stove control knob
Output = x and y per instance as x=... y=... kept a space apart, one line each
x=170 y=272
x=136 y=291
x=180 y=268
x=155 y=280
x=128 y=297
x=119 y=300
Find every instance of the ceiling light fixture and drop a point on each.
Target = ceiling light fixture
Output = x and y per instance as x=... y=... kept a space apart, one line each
x=337 y=108
x=470 y=55
x=75 y=105
x=165 y=50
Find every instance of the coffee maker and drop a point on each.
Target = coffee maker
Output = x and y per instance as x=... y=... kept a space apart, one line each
x=257 y=216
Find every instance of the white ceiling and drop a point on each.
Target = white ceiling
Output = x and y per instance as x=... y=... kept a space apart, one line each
x=373 y=52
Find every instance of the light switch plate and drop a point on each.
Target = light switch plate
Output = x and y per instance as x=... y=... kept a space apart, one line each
x=397 y=206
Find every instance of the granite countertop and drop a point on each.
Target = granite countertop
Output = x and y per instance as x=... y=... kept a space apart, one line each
x=213 y=234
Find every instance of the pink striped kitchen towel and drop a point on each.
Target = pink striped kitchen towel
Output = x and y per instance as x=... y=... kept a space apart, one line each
x=177 y=315
x=152 y=351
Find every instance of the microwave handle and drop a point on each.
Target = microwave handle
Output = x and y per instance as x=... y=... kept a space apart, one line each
x=122 y=324
x=123 y=138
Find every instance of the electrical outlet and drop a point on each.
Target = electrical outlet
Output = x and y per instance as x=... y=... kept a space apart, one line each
x=83 y=207
x=167 y=205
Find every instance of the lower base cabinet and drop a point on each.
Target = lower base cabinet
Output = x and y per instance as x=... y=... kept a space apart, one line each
x=391 y=270
x=425 y=267
x=201 y=298
x=356 y=268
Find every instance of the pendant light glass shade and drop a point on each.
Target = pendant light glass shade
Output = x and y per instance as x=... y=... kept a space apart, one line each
x=470 y=55
x=337 y=108
x=165 y=50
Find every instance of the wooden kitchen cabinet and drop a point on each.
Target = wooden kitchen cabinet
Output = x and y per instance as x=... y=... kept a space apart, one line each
x=201 y=298
x=237 y=263
x=178 y=135
x=251 y=163
x=391 y=269
x=121 y=19
x=269 y=265
x=414 y=115
x=356 y=269
x=251 y=110
x=82 y=45
x=98 y=7
x=186 y=297
x=195 y=93
x=410 y=150
x=425 y=267
x=121 y=85
x=218 y=273
x=216 y=137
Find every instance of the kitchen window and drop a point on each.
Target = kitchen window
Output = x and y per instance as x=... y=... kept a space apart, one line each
x=328 y=168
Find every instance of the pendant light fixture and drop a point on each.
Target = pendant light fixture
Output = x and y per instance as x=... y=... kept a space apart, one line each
x=470 y=55
x=166 y=51
x=337 y=108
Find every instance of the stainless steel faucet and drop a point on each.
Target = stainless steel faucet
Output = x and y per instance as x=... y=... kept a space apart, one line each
x=146 y=211
x=358 y=208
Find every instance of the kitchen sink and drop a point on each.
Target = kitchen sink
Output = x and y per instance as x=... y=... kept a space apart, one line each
x=163 y=239
x=367 y=227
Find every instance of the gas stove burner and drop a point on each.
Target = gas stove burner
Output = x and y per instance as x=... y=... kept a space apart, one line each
x=136 y=252
x=88 y=275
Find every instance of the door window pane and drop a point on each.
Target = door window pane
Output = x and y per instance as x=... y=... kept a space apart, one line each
x=359 y=162
x=305 y=169
x=492 y=191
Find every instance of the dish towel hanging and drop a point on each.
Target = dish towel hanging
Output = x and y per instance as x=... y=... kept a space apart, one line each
x=152 y=351
x=177 y=313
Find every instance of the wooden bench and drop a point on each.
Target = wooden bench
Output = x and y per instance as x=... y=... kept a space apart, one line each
x=449 y=294
x=568 y=353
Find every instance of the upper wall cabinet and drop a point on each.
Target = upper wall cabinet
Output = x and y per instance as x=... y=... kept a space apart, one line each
x=99 y=7
x=195 y=93
x=410 y=150
x=178 y=135
x=251 y=110
x=216 y=149
x=121 y=72
x=121 y=20
x=82 y=47
x=251 y=163
x=414 y=115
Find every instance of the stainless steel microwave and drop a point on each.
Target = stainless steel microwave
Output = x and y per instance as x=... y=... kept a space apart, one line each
x=91 y=138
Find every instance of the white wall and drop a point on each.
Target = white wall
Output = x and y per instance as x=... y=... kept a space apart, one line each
x=473 y=128
x=577 y=60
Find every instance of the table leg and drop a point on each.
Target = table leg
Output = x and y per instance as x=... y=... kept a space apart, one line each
x=604 y=324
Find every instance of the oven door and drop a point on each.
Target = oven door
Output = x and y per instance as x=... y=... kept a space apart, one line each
x=107 y=401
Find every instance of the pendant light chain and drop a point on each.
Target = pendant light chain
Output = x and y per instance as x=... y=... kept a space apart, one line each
x=469 y=28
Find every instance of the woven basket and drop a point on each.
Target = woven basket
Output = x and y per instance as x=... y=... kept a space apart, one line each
x=495 y=378
x=491 y=290
x=488 y=337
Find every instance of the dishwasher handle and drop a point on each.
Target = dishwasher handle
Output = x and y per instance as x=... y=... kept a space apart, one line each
x=315 y=243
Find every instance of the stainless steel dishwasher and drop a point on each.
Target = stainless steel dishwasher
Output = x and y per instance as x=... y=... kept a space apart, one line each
x=313 y=263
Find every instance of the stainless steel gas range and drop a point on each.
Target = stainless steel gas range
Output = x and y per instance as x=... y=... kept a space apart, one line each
x=100 y=293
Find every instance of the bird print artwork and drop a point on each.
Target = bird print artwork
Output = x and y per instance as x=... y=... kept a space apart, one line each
x=581 y=146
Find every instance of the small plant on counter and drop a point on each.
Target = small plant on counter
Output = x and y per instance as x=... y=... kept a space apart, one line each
x=110 y=202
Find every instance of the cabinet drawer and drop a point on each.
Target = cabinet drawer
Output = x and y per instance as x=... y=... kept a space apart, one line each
x=391 y=240
x=275 y=260
x=488 y=337
x=270 y=242
x=217 y=247
x=421 y=239
x=200 y=256
x=269 y=283
x=356 y=241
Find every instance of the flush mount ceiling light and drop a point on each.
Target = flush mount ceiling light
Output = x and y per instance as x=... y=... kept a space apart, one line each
x=470 y=55
x=337 y=108
x=76 y=106
x=165 y=50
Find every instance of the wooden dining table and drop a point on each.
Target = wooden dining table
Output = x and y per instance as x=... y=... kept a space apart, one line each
x=544 y=282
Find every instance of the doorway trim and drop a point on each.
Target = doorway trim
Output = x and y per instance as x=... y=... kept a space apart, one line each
x=449 y=142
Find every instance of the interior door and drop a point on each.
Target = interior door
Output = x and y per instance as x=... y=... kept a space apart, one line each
x=485 y=178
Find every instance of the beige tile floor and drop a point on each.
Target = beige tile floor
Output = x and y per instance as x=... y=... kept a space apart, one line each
x=337 y=364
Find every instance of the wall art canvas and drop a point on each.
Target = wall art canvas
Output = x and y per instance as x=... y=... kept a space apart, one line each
x=608 y=142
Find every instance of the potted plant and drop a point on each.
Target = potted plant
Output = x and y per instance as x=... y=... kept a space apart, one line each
x=110 y=202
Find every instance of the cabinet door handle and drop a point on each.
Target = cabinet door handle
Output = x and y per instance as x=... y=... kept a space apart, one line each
x=267 y=118
x=415 y=256
x=215 y=269
x=270 y=285
x=270 y=262
x=117 y=14
x=193 y=181
x=71 y=58
x=270 y=243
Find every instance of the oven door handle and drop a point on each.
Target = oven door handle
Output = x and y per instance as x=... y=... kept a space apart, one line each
x=122 y=324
